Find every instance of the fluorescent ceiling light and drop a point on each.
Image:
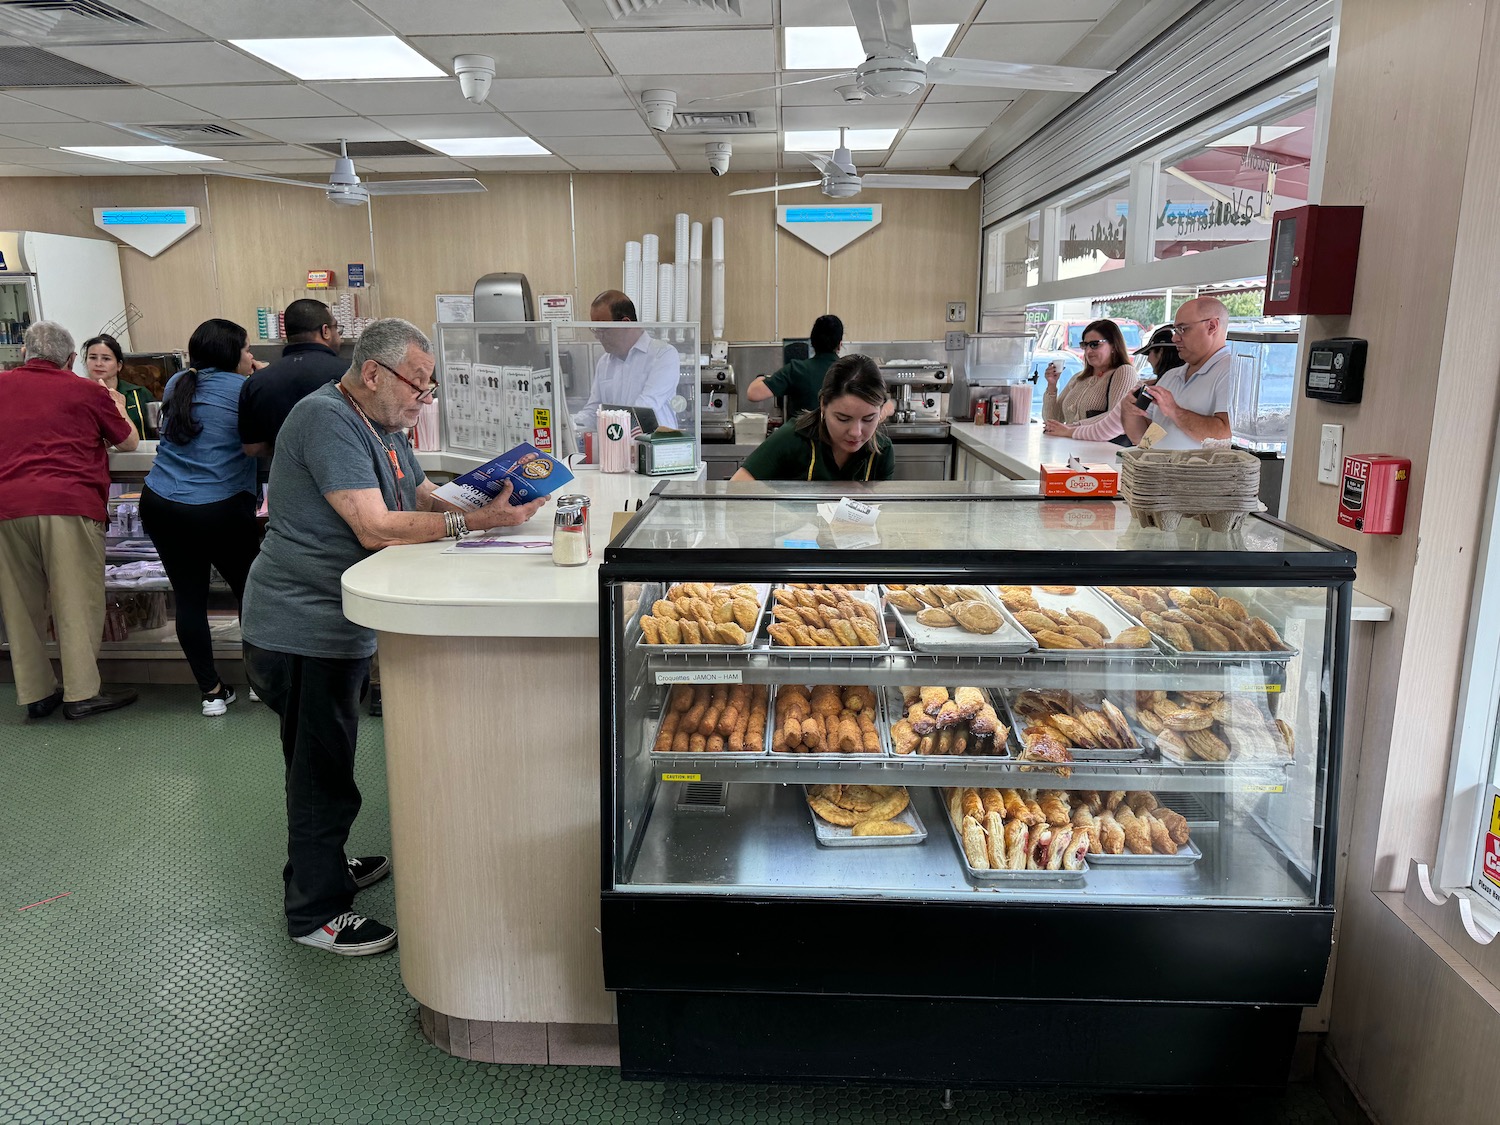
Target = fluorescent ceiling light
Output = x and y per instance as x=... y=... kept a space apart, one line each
x=839 y=48
x=341 y=57
x=1254 y=135
x=826 y=140
x=487 y=146
x=141 y=154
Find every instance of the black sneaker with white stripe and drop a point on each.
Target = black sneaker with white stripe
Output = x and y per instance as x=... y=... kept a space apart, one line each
x=350 y=935
x=367 y=870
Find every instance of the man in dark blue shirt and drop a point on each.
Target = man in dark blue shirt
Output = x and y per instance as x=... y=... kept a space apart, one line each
x=310 y=360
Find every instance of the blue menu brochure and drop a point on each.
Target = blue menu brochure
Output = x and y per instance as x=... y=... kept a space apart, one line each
x=531 y=473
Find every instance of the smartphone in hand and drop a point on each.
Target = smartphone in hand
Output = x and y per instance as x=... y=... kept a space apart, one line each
x=1143 y=400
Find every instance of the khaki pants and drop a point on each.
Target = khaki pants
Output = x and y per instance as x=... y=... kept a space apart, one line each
x=60 y=556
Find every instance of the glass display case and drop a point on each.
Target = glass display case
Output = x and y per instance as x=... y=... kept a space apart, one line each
x=918 y=800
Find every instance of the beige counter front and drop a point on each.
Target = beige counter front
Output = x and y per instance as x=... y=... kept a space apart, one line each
x=489 y=668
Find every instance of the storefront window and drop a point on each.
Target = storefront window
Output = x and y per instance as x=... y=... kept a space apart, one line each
x=1225 y=193
x=1019 y=253
x=1091 y=232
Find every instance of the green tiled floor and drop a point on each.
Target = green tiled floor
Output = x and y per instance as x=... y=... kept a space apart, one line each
x=163 y=987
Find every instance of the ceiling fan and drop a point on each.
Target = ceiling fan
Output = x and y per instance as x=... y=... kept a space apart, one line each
x=841 y=180
x=892 y=69
x=344 y=184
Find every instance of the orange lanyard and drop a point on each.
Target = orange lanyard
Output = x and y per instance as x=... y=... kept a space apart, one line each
x=389 y=450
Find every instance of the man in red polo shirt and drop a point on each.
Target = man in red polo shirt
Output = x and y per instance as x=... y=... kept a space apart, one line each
x=54 y=493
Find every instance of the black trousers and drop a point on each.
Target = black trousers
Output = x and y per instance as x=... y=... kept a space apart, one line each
x=318 y=703
x=190 y=538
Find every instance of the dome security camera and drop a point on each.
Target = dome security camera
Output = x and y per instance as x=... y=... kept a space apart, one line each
x=718 y=156
x=659 y=106
x=474 y=73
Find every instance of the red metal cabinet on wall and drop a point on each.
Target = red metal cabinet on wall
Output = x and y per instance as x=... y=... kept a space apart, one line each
x=1314 y=252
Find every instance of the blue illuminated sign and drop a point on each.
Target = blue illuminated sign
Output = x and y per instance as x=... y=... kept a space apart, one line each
x=163 y=217
x=830 y=214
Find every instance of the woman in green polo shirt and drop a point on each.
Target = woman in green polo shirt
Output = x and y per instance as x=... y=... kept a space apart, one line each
x=840 y=440
x=799 y=382
x=103 y=360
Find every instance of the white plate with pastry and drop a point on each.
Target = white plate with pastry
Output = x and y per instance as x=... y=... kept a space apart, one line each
x=956 y=619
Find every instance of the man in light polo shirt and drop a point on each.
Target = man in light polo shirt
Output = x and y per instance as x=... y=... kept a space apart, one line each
x=1191 y=402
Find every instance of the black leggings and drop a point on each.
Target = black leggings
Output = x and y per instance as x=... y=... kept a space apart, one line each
x=190 y=538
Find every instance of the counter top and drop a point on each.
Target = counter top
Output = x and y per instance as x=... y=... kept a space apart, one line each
x=139 y=460
x=1019 y=451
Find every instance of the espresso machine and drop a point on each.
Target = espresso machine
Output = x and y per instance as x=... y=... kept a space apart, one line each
x=921 y=389
x=717 y=401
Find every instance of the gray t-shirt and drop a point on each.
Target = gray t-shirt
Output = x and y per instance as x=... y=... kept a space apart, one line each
x=293 y=602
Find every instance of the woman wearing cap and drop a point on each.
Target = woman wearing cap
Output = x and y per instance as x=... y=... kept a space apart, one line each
x=1108 y=425
x=840 y=440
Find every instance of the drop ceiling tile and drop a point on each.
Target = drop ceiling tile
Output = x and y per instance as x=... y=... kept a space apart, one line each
x=298 y=129
x=826 y=93
x=922 y=158
x=23 y=170
x=752 y=162
x=929 y=139
x=742 y=142
x=959 y=115
x=410 y=164
x=516 y=163
x=690 y=86
x=109 y=168
x=69 y=133
x=398 y=96
x=659 y=163
x=651 y=52
x=285 y=100
x=18 y=111
x=296 y=168
x=273 y=19
x=821 y=13
x=596 y=15
x=1028 y=11
x=603 y=146
x=939 y=95
x=123 y=105
x=548 y=55
x=508 y=94
x=609 y=122
x=876 y=115
x=13 y=152
x=1021 y=42
x=474 y=17
x=255 y=152
x=173 y=64
x=415 y=127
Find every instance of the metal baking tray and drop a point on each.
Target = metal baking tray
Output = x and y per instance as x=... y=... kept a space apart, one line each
x=869 y=595
x=1277 y=656
x=1233 y=762
x=890 y=703
x=882 y=728
x=994 y=880
x=653 y=591
x=834 y=836
x=1090 y=600
x=1187 y=854
x=1139 y=752
x=1009 y=638
x=717 y=755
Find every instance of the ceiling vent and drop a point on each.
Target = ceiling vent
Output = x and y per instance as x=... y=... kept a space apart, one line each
x=33 y=68
x=713 y=121
x=192 y=131
x=57 y=23
x=620 y=9
x=359 y=150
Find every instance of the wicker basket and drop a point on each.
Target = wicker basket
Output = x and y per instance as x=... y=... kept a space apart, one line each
x=1218 y=487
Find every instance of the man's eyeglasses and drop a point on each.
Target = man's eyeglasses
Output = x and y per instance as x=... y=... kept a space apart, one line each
x=1090 y=345
x=428 y=392
x=1182 y=329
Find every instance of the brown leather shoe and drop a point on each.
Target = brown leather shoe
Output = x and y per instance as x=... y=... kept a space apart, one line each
x=97 y=705
x=44 y=707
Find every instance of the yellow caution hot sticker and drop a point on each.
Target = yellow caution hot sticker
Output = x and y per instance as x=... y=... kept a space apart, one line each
x=682 y=777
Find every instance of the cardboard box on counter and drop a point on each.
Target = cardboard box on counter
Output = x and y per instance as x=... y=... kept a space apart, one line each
x=1079 y=479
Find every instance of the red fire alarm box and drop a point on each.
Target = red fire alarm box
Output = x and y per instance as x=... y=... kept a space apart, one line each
x=1373 y=497
x=1314 y=252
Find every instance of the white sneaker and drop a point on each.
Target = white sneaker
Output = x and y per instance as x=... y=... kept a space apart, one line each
x=350 y=935
x=253 y=697
x=217 y=702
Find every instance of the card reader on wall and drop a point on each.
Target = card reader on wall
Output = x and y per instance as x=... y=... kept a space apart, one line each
x=1336 y=369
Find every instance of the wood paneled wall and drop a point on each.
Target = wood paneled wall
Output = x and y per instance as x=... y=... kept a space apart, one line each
x=566 y=233
x=1414 y=136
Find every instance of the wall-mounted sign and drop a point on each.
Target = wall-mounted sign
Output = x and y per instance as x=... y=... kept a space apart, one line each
x=147 y=229
x=556 y=306
x=355 y=276
x=320 y=279
x=828 y=229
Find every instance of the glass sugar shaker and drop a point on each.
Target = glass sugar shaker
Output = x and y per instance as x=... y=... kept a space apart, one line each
x=570 y=532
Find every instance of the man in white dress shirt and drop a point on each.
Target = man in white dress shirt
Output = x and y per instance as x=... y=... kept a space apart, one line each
x=635 y=370
x=1191 y=402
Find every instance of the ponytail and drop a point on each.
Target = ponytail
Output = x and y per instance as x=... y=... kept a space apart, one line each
x=177 y=421
x=215 y=345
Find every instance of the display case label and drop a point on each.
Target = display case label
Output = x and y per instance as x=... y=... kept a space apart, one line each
x=1262 y=788
x=682 y=777
x=702 y=676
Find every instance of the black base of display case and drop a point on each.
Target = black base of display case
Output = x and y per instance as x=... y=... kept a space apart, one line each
x=733 y=1037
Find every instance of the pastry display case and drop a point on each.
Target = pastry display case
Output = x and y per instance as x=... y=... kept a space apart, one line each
x=995 y=790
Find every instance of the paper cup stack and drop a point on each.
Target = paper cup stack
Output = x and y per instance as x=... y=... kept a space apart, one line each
x=1215 y=486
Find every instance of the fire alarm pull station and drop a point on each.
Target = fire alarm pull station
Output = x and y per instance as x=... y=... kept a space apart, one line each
x=1373 y=497
x=1336 y=369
